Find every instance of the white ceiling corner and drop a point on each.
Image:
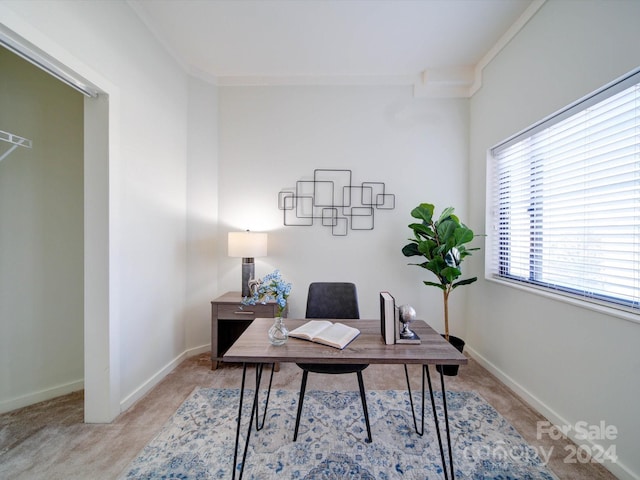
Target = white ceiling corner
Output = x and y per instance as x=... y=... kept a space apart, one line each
x=438 y=46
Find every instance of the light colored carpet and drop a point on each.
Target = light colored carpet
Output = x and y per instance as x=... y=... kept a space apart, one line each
x=197 y=442
x=49 y=441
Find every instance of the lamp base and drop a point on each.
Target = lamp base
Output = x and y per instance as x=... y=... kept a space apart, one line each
x=248 y=273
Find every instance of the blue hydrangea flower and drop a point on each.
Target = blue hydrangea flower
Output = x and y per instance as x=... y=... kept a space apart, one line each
x=272 y=287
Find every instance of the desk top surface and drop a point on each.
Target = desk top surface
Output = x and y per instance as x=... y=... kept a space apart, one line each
x=369 y=347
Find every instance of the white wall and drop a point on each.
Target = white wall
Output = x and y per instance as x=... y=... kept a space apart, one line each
x=148 y=93
x=202 y=214
x=270 y=137
x=41 y=237
x=571 y=363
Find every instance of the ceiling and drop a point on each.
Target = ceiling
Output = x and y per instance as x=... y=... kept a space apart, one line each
x=234 y=42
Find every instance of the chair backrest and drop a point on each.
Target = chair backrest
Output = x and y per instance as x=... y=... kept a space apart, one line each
x=332 y=300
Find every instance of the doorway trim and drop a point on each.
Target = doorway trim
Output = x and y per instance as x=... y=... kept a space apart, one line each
x=101 y=339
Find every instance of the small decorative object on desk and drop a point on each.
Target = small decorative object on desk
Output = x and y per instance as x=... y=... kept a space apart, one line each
x=407 y=314
x=278 y=333
x=271 y=288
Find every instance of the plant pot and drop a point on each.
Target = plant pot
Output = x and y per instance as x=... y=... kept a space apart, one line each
x=451 y=370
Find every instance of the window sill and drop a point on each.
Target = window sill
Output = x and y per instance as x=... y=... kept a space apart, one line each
x=567 y=298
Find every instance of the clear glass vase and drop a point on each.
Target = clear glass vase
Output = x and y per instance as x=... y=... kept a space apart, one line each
x=278 y=333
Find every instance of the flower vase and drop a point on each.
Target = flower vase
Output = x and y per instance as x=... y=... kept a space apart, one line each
x=278 y=333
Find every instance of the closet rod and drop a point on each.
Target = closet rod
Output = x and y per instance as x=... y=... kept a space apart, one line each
x=15 y=141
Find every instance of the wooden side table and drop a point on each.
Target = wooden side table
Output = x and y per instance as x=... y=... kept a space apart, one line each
x=228 y=321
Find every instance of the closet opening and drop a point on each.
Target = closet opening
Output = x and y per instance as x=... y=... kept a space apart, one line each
x=83 y=343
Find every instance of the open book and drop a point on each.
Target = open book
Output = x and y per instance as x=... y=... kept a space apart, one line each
x=335 y=335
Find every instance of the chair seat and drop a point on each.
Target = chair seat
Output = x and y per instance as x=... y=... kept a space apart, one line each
x=332 y=369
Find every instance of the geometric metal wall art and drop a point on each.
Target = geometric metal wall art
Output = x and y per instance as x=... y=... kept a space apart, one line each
x=335 y=201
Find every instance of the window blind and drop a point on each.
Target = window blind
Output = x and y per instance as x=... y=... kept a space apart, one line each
x=565 y=200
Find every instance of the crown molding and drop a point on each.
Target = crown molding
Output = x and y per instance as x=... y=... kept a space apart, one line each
x=314 y=80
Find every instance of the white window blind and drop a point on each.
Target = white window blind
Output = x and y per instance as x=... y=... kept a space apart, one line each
x=565 y=200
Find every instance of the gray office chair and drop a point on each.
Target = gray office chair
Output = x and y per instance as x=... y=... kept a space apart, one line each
x=332 y=301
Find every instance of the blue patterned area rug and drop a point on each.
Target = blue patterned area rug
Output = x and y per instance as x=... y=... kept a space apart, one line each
x=197 y=442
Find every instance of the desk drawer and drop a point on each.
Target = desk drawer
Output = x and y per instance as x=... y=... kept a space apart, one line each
x=248 y=312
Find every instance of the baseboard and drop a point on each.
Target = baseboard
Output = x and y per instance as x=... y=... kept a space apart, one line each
x=147 y=386
x=617 y=468
x=198 y=350
x=40 y=396
x=64 y=389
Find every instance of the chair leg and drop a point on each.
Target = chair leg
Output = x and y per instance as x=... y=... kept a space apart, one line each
x=364 y=405
x=303 y=387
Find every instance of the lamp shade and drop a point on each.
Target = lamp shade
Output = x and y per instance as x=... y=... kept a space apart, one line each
x=247 y=244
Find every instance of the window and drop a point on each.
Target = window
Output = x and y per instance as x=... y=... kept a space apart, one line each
x=564 y=200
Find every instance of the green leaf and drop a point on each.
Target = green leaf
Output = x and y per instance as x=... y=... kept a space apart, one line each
x=411 y=249
x=433 y=284
x=422 y=230
x=426 y=248
x=446 y=231
x=450 y=273
x=463 y=235
x=465 y=252
x=423 y=265
x=446 y=213
x=424 y=211
x=464 y=282
x=436 y=265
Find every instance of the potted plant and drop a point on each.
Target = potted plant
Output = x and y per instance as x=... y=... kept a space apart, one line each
x=442 y=243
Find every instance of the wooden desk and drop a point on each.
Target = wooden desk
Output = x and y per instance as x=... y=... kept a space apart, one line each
x=253 y=347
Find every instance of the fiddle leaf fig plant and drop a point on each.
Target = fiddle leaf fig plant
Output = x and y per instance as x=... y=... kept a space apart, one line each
x=442 y=244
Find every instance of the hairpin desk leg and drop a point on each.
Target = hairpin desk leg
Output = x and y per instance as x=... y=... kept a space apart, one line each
x=254 y=411
x=240 y=402
x=425 y=373
x=259 y=367
x=420 y=431
x=446 y=422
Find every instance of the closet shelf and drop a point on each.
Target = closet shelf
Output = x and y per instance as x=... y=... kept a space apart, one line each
x=15 y=141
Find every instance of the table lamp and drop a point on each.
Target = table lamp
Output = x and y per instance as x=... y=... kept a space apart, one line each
x=247 y=245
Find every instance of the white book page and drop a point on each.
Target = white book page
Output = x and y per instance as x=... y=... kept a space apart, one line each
x=310 y=329
x=338 y=335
